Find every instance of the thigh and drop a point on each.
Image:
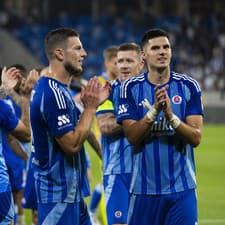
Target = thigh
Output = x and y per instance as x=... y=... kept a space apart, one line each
x=183 y=209
x=117 y=196
x=16 y=170
x=147 y=210
x=58 y=213
x=29 y=196
x=6 y=208
x=84 y=215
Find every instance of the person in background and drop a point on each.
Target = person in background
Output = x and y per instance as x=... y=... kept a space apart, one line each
x=161 y=114
x=20 y=128
x=116 y=150
x=110 y=63
x=59 y=131
x=16 y=164
x=111 y=73
x=29 y=200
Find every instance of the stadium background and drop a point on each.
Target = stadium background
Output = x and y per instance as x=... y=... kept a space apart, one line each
x=197 y=31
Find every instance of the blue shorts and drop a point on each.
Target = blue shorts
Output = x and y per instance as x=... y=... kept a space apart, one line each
x=29 y=195
x=178 y=208
x=15 y=171
x=63 y=213
x=6 y=208
x=117 y=196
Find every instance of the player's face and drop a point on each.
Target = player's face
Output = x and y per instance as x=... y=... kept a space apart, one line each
x=157 y=53
x=112 y=66
x=129 y=64
x=74 y=56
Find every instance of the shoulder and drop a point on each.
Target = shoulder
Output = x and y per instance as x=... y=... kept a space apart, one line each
x=50 y=92
x=130 y=83
x=134 y=80
x=5 y=106
x=115 y=83
x=186 y=80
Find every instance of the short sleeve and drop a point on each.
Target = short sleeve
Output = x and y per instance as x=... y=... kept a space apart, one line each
x=8 y=119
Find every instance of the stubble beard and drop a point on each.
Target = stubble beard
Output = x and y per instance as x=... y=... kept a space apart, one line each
x=73 y=71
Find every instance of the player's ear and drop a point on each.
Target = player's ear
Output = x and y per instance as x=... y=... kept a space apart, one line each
x=143 y=56
x=59 y=54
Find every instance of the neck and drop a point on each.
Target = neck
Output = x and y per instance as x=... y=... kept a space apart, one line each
x=111 y=76
x=159 y=76
x=59 y=73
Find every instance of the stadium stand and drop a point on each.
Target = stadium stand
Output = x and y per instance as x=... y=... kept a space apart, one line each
x=198 y=34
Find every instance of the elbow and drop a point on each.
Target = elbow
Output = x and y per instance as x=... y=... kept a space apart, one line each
x=196 y=139
x=133 y=140
x=71 y=150
x=27 y=138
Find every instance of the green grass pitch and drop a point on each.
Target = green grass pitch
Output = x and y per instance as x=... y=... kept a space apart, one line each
x=210 y=166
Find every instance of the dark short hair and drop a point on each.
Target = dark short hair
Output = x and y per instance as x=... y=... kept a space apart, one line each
x=153 y=33
x=130 y=46
x=58 y=38
x=22 y=68
x=110 y=52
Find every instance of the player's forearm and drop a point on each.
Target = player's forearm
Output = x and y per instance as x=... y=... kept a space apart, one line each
x=83 y=128
x=17 y=147
x=26 y=113
x=95 y=144
x=16 y=97
x=111 y=127
x=3 y=92
x=189 y=134
x=136 y=132
x=108 y=124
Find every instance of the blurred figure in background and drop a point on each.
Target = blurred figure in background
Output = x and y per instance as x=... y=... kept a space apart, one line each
x=116 y=150
x=111 y=73
x=18 y=128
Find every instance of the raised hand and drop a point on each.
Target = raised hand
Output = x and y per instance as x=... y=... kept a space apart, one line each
x=160 y=97
x=94 y=93
x=10 y=77
x=31 y=80
x=104 y=92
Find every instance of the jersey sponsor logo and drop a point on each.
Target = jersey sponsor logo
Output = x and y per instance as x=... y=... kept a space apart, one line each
x=62 y=120
x=161 y=128
x=118 y=214
x=122 y=109
x=177 y=99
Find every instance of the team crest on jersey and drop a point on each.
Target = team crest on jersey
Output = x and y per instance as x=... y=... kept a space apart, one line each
x=176 y=99
x=118 y=214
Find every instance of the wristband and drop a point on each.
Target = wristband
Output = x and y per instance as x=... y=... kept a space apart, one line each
x=175 y=121
x=152 y=114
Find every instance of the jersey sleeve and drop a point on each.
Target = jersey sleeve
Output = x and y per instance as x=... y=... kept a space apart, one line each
x=58 y=114
x=8 y=119
x=194 y=105
x=127 y=108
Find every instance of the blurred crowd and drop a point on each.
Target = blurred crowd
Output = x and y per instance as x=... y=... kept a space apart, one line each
x=198 y=39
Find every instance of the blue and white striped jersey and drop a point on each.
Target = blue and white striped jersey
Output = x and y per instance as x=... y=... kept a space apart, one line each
x=117 y=151
x=8 y=122
x=58 y=177
x=164 y=164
